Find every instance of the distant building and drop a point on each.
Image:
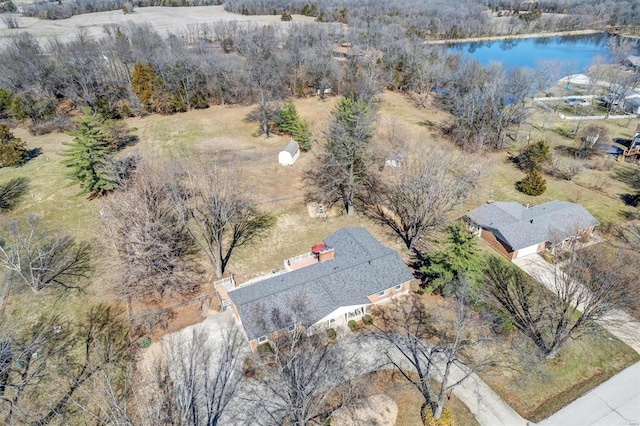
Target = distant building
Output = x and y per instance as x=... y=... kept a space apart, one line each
x=632 y=61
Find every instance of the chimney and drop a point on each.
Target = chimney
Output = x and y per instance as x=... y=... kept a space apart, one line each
x=323 y=252
x=326 y=254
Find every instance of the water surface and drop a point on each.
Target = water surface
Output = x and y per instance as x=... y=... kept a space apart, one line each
x=576 y=53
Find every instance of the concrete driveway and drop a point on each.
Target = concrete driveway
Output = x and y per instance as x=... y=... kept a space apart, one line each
x=615 y=402
x=618 y=323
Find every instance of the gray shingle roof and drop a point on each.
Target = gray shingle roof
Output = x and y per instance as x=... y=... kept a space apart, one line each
x=361 y=267
x=521 y=227
x=291 y=147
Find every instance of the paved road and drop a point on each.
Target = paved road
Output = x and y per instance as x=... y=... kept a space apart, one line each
x=615 y=402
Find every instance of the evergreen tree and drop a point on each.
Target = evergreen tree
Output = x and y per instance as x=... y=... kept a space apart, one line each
x=290 y=122
x=145 y=83
x=459 y=259
x=341 y=172
x=13 y=151
x=88 y=156
x=533 y=156
x=533 y=184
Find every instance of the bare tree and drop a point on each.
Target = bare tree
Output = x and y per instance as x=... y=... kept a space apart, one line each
x=216 y=211
x=152 y=241
x=433 y=354
x=12 y=191
x=58 y=358
x=416 y=197
x=206 y=371
x=341 y=171
x=301 y=381
x=39 y=258
x=589 y=286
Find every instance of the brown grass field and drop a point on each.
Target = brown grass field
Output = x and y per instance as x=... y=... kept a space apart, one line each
x=223 y=132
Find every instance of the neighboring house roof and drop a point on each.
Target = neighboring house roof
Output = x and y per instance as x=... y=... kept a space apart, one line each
x=361 y=267
x=291 y=147
x=521 y=227
x=634 y=60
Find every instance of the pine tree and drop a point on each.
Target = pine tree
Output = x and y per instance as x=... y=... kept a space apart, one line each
x=13 y=151
x=144 y=83
x=290 y=122
x=88 y=156
x=533 y=184
x=459 y=259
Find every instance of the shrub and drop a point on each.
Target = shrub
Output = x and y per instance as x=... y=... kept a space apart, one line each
x=332 y=333
x=286 y=16
x=446 y=418
x=533 y=156
x=353 y=325
x=13 y=151
x=265 y=348
x=564 y=168
x=145 y=342
x=533 y=184
x=367 y=320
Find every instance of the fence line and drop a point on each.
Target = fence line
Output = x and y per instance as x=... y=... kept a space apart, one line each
x=540 y=103
x=168 y=308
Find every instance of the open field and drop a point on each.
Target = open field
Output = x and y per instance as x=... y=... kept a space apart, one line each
x=165 y=20
x=223 y=132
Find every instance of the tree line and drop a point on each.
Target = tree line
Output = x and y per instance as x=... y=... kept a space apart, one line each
x=133 y=70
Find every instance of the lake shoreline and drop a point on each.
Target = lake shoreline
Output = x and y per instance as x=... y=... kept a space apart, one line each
x=513 y=36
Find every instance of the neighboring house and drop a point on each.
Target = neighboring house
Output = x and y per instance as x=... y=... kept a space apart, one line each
x=338 y=281
x=289 y=153
x=632 y=105
x=632 y=61
x=516 y=231
x=635 y=142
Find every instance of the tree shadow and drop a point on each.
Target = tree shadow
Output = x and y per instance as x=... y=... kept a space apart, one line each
x=632 y=200
x=12 y=191
x=32 y=153
x=628 y=175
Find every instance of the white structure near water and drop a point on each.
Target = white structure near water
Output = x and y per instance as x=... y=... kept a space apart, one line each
x=289 y=153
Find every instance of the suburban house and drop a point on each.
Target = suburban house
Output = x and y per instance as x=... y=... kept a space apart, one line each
x=289 y=153
x=635 y=142
x=515 y=231
x=338 y=281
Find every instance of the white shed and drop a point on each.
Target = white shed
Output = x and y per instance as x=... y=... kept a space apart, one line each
x=289 y=153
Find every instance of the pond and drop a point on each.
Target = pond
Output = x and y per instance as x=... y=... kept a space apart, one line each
x=576 y=53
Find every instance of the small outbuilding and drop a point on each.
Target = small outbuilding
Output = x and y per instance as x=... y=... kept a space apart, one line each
x=289 y=153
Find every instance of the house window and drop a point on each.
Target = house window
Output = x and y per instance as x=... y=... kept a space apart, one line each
x=382 y=293
x=262 y=339
x=398 y=287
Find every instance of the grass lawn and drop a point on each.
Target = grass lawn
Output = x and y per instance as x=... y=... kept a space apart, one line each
x=224 y=132
x=409 y=400
x=580 y=366
x=539 y=388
